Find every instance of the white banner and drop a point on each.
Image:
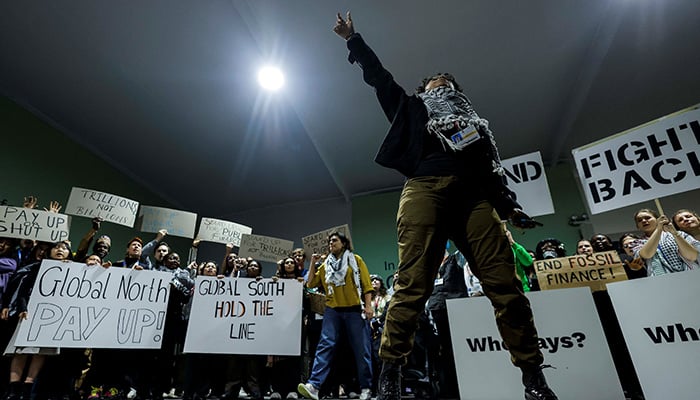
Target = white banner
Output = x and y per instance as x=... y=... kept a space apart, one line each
x=176 y=222
x=219 y=231
x=318 y=242
x=661 y=325
x=29 y=223
x=73 y=305
x=526 y=177
x=571 y=339
x=111 y=208
x=265 y=248
x=654 y=160
x=245 y=316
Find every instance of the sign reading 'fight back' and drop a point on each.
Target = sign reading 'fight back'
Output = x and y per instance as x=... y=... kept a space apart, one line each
x=657 y=159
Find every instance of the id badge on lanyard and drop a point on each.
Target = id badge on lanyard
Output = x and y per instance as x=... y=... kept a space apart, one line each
x=466 y=136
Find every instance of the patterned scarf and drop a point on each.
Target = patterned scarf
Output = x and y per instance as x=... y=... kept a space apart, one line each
x=337 y=268
x=450 y=111
x=667 y=258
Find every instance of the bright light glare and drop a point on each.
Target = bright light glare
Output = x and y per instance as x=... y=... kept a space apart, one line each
x=270 y=78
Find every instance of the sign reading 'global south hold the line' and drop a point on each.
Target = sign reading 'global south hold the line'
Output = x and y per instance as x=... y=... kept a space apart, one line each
x=245 y=316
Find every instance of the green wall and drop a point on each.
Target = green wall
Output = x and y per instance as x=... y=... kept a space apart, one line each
x=374 y=231
x=39 y=160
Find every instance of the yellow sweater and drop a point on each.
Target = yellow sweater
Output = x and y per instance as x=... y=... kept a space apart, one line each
x=346 y=295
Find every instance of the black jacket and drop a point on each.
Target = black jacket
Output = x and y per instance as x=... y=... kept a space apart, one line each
x=404 y=144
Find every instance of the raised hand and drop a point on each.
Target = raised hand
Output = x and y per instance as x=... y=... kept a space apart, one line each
x=344 y=27
x=96 y=223
x=30 y=202
x=635 y=264
x=161 y=234
x=54 y=207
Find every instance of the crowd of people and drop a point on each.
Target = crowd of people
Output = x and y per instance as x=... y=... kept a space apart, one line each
x=348 y=327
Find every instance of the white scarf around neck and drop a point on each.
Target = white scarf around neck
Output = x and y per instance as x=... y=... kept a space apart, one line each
x=337 y=268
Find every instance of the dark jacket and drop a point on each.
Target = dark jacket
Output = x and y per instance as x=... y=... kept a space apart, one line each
x=19 y=288
x=403 y=147
x=452 y=285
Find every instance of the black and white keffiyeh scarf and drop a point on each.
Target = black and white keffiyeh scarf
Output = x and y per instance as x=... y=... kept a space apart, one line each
x=450 y=111
x=337 y=268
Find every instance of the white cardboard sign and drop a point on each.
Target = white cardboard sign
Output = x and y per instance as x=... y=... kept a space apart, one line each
x=176 y=222
x=29 y=223
x=245 y=316
x=654 y=160
x=661 y=325
x=265 y=248
x=525 y=175
x=110 y=207
x=571 y=339
x=219 y=231
x=75 y=305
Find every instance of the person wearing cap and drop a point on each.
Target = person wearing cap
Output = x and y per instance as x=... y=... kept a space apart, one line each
x=455 y=190
x=102 y=246
x=133 y=259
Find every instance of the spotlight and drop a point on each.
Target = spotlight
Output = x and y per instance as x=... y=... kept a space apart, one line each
x=270 y=78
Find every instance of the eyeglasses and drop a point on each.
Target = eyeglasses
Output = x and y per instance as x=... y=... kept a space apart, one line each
x=628 y=245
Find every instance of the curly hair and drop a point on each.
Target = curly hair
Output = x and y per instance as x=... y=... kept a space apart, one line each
x=447 y=76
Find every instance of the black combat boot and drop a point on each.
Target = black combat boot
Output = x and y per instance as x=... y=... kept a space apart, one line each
x=389 y=385
x=536 y=385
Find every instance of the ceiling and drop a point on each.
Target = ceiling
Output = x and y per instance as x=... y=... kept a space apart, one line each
x=166 y=91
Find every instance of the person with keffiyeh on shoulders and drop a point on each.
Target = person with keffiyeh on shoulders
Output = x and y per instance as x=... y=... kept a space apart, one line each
x=345 y=279
x=455 y=189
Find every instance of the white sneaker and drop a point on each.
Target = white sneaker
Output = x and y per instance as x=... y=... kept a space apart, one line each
x=132 y=394
x=366 y=394
x=170 y=395
x=308 y=390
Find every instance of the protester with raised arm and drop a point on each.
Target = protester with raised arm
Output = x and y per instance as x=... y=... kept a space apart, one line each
x=455 y=190
x=345 y=279
x=665 y=250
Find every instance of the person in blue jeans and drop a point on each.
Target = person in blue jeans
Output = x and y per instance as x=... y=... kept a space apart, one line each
x=344 y=278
